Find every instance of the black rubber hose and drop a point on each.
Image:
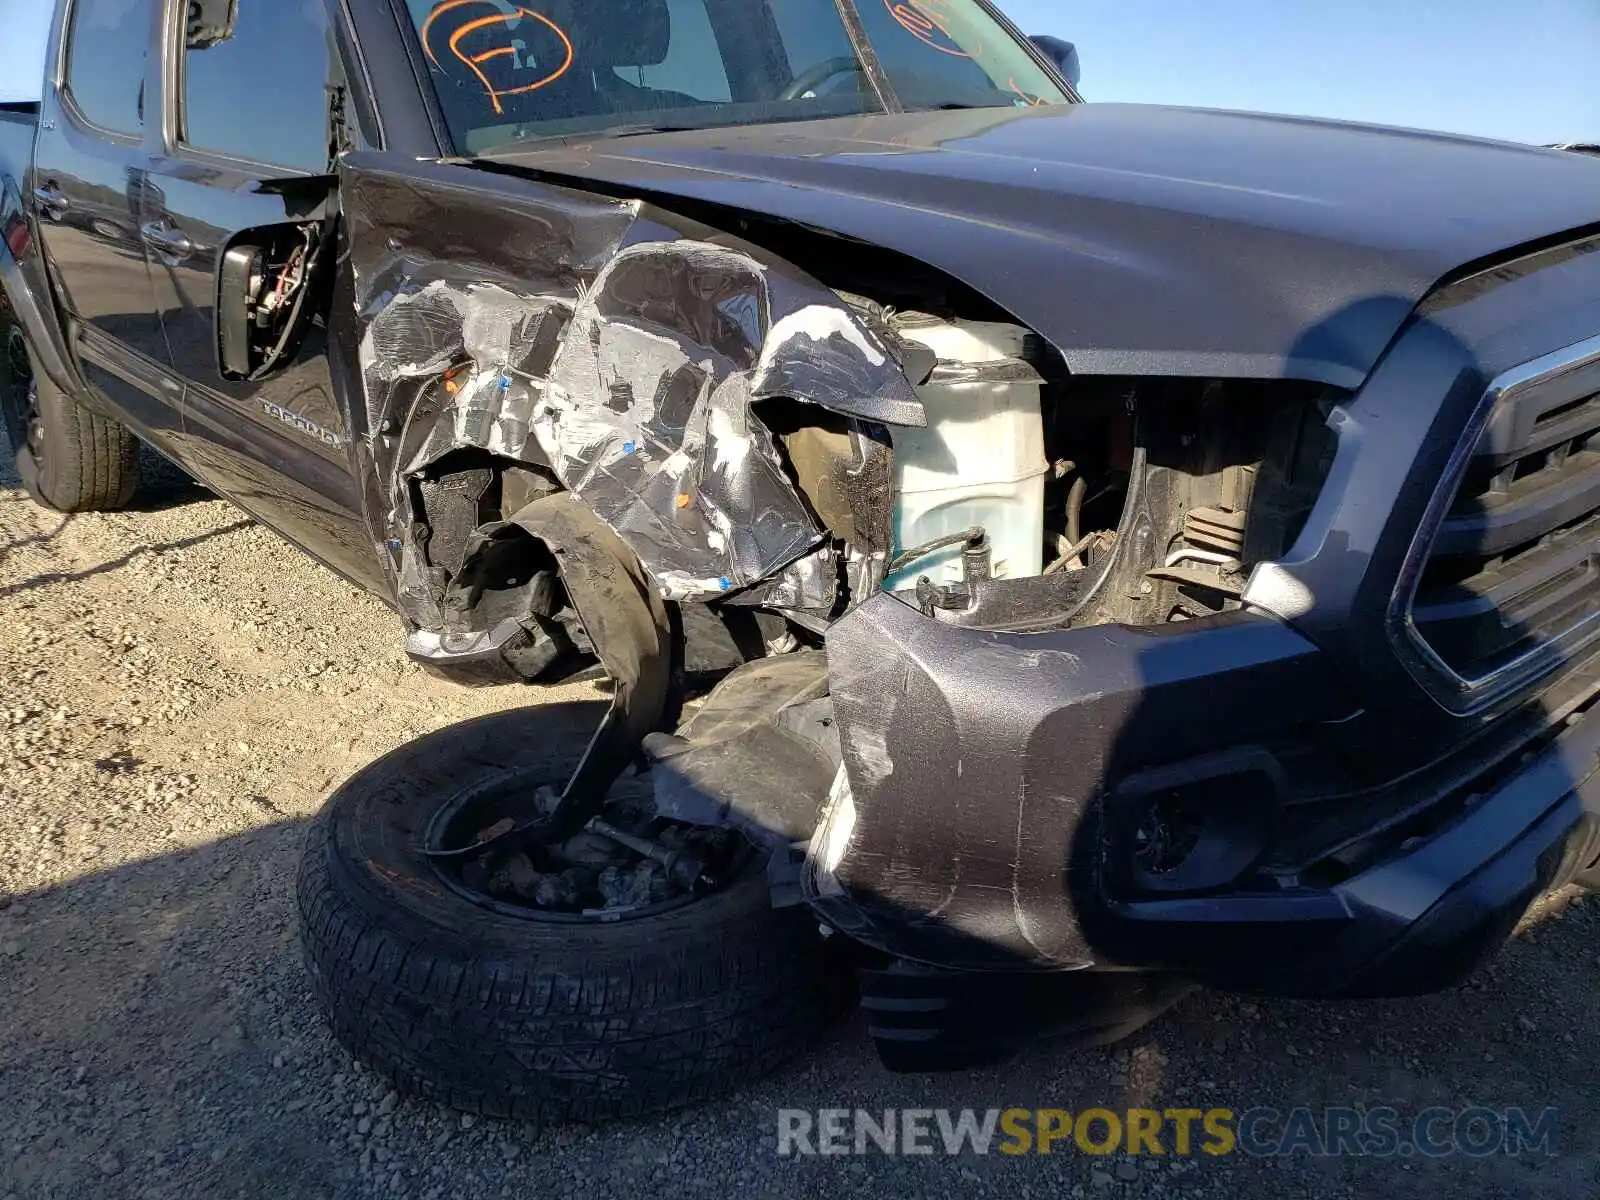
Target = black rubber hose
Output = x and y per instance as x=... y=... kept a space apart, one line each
x=906 y=557
x=1075 y=495
x=1130 y=513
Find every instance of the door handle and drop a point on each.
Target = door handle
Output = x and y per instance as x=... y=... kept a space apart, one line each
x=169 y=242
x=52 y=201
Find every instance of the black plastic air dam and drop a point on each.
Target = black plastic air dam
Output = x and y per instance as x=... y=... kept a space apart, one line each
x=976 y=761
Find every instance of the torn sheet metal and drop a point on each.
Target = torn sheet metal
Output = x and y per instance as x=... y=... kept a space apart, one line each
x=627 y=353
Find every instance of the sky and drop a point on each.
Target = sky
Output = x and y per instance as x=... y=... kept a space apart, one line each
x=1524 y=70
x=24 y=26
x=1527 y=70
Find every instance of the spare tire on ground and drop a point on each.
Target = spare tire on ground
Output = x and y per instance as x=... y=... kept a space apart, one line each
x=508 y=1011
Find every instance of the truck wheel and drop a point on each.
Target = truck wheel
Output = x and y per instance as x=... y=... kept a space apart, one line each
x=69 y=458
x=460 y=993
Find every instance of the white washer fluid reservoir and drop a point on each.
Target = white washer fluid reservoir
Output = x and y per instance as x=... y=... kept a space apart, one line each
x=980 y=461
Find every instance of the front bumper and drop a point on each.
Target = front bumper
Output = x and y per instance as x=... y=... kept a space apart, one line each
x=1417 y=921
x=991 y=780
x=1358 y=836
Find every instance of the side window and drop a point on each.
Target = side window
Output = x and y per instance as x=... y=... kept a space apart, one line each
x=107 y=45
x=693 y=65
x=255 y=81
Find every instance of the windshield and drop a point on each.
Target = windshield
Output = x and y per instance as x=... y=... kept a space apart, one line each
x=506 y=71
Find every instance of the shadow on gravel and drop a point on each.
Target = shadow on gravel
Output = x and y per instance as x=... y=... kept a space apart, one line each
x=158 y=1040
x=54 y=577
x=163 y=484
x=38 y=539
x=144 y=1009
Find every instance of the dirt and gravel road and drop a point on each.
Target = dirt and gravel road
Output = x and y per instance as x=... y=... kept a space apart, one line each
x=179 y=691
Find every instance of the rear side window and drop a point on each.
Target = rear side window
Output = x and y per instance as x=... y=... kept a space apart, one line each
x=107 y=45
x=255 y=81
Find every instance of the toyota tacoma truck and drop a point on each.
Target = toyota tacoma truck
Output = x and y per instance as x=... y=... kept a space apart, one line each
x=1035 y=557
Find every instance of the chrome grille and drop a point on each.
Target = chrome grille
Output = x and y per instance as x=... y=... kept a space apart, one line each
x=1510 y=585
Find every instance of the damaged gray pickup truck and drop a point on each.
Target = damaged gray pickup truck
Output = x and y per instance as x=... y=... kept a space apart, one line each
x=1039 y=556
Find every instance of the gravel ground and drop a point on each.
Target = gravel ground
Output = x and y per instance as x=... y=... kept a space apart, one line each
x=180 y=690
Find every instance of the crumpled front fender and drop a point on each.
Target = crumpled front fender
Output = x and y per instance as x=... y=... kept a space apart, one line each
x=624 y=349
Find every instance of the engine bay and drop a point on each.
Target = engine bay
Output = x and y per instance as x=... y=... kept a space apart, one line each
x=1091 y=501
x=1151 y=506
x=777 y=443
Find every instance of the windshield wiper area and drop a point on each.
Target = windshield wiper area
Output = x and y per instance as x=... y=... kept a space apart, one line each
x=965 y=106
x=627 y=131
x=588 y=135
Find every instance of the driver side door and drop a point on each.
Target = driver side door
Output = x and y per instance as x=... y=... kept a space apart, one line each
x=245 y=163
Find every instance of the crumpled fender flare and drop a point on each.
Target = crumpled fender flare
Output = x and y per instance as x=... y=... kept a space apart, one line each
x=626 y=620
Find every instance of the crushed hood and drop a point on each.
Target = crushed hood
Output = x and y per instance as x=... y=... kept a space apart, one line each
x=1137 y=239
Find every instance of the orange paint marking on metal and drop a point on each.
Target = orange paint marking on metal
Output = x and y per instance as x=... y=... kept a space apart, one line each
x=474 y=62
x=913 y=20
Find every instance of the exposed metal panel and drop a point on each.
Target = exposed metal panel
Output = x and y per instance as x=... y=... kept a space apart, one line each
x=624 y=349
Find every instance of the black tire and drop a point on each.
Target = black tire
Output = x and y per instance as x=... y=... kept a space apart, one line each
x=74 y=460
x=520 y=1017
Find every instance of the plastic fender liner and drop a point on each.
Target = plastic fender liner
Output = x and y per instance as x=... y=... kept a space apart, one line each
x=758 y=755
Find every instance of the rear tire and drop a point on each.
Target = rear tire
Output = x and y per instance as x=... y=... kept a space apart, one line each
x=68 y=457
x=519 y=1016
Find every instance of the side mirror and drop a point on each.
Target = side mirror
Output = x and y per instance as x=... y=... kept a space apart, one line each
x=1063 y=54
x=210 y=23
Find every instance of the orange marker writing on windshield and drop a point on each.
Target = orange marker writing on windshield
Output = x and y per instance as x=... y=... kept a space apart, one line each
x=928 y=22
x=474 y=62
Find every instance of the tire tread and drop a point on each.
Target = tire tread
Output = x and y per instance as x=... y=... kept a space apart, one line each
x=648 y=1016
x=91 y=462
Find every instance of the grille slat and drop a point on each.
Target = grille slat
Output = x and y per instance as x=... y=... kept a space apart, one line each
x=1556 y=410
x=1515 y=564
x=1489 y=523
x=1564 y=425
